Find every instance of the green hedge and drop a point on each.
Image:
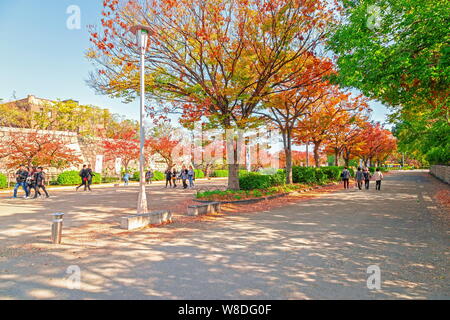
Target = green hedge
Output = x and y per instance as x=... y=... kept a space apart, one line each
x=312 y=175
x=199 y=174
x=255 y=180
x=3 y=181
x=71 y=178
x=224 y=173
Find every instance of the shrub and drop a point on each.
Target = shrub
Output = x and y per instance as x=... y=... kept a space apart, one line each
x=158 y=176
x=220 y=173
x=278 y=179
x=253 y=180
x=71 y=178
x=333 y=173
x=303 y=175
x=3 y=181
x=199 y=174
x=320 y=175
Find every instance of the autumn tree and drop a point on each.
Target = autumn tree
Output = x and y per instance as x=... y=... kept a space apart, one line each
x=325 y=115
x=34 y=148
x=124 y=145
x=208 y=58
x=284 y=109
x=379 y=143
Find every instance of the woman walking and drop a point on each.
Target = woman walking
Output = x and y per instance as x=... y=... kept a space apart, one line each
x=174 y=177
x=377 y=176
x=359 y=178
x=40 y=182
x=191 y=177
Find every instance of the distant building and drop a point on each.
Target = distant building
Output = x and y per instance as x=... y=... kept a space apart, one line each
x=32 y=104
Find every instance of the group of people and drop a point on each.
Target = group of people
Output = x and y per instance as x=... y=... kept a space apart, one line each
x=86 y=174
x=30 y=178
x=362 y=176
x=185 y=175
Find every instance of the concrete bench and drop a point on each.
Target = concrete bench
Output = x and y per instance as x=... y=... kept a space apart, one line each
x=137 y=221
x=202 y=209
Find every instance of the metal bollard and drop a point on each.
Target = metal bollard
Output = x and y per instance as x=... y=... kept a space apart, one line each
x=57 y=227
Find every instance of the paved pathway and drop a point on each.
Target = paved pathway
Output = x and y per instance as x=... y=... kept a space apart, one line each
x=316 y=249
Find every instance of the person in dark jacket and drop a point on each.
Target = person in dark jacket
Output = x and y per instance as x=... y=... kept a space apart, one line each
x=31 y=182
x=359 y=177
x=168 y=174
x=84 y=178
x=367 y=177
x=90 y=175
x=40 y=182
x=21 y=178
x=174 y=177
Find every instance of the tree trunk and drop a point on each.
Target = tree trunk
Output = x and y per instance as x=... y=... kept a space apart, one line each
x=233 y=163
x=336 y=157
x=287 y=141
x=316 y=154
x=233 y=176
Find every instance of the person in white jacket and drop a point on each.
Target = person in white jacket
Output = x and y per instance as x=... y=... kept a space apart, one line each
x=377 y=176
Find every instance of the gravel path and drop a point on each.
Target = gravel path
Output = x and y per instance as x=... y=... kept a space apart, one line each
x=315 y=249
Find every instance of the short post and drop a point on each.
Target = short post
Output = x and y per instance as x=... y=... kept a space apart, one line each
x=57 y=227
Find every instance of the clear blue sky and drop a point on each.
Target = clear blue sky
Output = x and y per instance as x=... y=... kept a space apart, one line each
x=39 y=55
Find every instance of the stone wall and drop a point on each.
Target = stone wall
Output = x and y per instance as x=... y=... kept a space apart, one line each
x=89 y=149
x=441 y=172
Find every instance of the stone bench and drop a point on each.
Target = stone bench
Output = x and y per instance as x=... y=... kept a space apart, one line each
x=137 y=221
x=202 y=209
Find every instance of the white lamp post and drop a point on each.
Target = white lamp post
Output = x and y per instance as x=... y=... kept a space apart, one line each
x=142 y=33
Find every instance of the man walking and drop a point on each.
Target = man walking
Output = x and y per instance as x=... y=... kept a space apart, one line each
x=83 y=174
x=90 y=176
x=345 y=175
x=191 y=177
x=21 y=178
x=378 y=176
x=367 y=176
x=40 y=182
x=168 y=174
x=359 y=178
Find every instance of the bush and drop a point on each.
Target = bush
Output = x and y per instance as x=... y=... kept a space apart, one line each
x=158 y=176
x=3 y=181
x=199 y=174
x=71 y=178
x=219 y=173
x=320 y=175
x=254 y=180
x=332 y=173
x=303 y=175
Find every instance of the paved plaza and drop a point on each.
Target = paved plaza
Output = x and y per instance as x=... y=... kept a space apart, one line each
x=314 y=249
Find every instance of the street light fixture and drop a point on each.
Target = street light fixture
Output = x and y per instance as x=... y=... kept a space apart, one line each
x=142 y=33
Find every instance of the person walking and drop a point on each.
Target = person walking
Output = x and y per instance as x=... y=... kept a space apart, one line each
x=184 y=175
x=174 y=177
x=31 y=182
x=191 y=177
x=168 y=174
x=40 y=182
x=345 y=175
x=367 y=177
x=21 y=178
x=83 y=175
x=377 y=176
x=359 y=178
x=90 y=175
x=149 y=176
x=126 y=178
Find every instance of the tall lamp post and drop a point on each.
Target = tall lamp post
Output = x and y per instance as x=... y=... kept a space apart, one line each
x=142 y=33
